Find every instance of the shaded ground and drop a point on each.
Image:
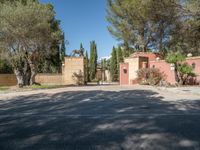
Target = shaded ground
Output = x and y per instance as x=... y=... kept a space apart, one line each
x=100 y=119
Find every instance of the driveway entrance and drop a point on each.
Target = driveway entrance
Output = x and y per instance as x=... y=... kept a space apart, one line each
x=99 y=118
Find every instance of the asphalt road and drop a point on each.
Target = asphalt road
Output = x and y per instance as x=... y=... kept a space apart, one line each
x=100 y=119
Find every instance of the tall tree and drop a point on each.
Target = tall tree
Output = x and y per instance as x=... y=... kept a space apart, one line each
x=164 y=17
x=86 y=67
x=81 y=46
x=63 y=48
x=120 y=59
x=129 y=22
x=126 y=49
x=26 y=36
x=189 y=34
x=93 y=60
x=113 y=65
x=54 y=60
x=82 y=50
x=155 y=24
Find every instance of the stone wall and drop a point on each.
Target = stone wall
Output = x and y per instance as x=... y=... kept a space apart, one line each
x=133 y=68
x=73 y=66
x=54 y=79
x=134 y=64
x=7 y=80
x=10 y=79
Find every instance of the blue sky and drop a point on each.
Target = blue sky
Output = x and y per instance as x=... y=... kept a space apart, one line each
x=84 y=21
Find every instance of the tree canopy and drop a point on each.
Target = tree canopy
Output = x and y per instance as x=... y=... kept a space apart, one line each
x=156 y=25
x=26 y=36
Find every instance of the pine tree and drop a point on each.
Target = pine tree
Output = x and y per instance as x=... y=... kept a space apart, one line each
x=113 y=65
x=146 y=24
x=93 y=60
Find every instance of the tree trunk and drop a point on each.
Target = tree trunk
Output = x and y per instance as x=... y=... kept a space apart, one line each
x=161 y=34
x=19 y=76
x=176 y=73
x=144 y=44
x=33 y=72
x=145 y=48
x=27 y=74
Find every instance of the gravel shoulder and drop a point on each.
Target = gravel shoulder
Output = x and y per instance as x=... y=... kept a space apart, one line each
x=168 y=94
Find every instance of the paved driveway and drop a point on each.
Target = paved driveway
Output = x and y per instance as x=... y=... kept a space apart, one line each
x=99 y=118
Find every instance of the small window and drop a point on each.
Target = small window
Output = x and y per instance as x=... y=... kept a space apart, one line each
x=193 y=65
x=153 y=66
x=125 y=71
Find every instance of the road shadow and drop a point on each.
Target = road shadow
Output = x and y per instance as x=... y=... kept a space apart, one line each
x=99 y=120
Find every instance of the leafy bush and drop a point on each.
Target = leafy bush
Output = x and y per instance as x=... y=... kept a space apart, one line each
x=78 y=77
x=149 y=76
x=185 y=72
x=175 y=57
x=5 y=67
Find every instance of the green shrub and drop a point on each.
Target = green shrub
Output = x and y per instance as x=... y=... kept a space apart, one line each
x=185 y=72
x=149 y=76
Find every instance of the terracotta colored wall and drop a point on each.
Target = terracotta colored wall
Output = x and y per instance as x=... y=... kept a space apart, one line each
x=166 y=69
x=196 y=61
x=170 y=76
x=124 y=76
x=137 y=61
x=149 y=55
x=72 y=65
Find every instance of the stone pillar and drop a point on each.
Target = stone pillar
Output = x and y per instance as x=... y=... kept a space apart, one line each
x=73 y=71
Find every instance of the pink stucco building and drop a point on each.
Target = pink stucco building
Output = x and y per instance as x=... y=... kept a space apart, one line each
x=138 y=60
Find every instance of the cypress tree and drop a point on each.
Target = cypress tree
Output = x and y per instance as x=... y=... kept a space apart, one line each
x=62 y=50
x=113 y=65
x=120 y=59
x=81 y=46
x=82 y=50
x=120 y=55
x=86 y=67
x=93 y=60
